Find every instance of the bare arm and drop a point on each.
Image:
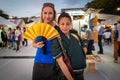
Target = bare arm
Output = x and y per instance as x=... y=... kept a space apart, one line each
x=85 y=49
x=64 y=69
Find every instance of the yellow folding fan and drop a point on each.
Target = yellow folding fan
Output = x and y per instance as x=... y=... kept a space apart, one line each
x=40 y=29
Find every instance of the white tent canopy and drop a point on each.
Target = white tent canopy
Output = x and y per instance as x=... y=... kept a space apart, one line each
x=36 y=20
x=19 y=22
x=6 y=22
x=108 y=22
x=109 y=19
x=108 y=16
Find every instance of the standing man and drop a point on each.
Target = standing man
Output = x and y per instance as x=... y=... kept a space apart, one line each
x=117 y=43
x=17 y=38
x=89 y=37
x=0 y=36
x=4 y=38
x=24 y=41
x=100 y=36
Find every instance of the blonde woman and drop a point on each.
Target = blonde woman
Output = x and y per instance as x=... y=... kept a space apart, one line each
x=44 y=62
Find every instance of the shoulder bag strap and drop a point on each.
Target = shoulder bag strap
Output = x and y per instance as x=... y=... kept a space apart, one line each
x=74 y=35
x=63 y=50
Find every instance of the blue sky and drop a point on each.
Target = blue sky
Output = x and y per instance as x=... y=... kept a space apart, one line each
x=27 y=8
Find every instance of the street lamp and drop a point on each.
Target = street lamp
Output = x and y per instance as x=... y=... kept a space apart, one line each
x=118 y=9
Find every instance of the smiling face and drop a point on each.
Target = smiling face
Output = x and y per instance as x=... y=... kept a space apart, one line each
x=47 y=14
x=65 y=25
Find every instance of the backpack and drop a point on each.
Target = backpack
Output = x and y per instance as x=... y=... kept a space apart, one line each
x=79 y=39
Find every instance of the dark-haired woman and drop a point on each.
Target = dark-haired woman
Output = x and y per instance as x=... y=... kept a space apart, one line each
x=74 y=50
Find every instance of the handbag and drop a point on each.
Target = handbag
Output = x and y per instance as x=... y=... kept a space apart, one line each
x=116 y=34
x=65 y=58
x=93 y=47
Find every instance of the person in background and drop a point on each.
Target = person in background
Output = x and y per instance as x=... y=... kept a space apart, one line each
x=43 y=68
x=13 y=40
x=100 y=37
x=89 y=37
x=4 y=38
x=117 y=43
x=9 y=38
x=107 y=36
x=73 y=48
x=0 y=36
x=25 y=42
x=17 y=38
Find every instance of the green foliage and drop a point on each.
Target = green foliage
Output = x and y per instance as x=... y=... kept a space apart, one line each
x=6 y=16
x=108 y=6
x=25 y=19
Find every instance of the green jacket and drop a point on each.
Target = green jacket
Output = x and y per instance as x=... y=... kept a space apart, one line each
x=73 y=49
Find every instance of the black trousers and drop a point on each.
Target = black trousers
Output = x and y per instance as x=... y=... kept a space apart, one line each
x=76 y=75
x=4 y=44
x=100 y=44
x=17 y=43
x=89 y=46
x=25 y=42
x=79 y=75
x=43 y=72
x=119 y=51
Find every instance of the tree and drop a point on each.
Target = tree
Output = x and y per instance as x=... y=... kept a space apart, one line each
x=107 y=6
x=25 y=19
x=3 y=14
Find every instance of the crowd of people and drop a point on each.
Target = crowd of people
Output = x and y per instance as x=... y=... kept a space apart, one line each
x=12 y=38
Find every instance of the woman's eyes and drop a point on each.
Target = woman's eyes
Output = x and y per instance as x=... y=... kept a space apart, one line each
x=48 y=13
x=65 y=24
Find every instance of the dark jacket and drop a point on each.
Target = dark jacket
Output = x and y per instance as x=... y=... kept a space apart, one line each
x=4 y=36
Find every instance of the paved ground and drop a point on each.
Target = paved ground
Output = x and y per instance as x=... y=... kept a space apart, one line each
x=20 y=68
